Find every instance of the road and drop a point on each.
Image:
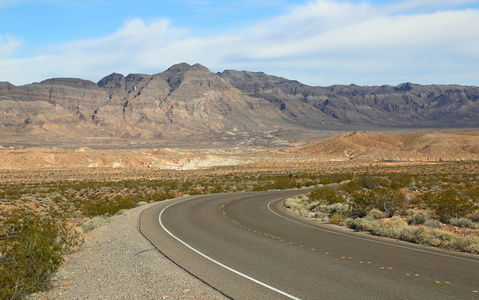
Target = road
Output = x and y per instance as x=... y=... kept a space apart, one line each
x=247 y=246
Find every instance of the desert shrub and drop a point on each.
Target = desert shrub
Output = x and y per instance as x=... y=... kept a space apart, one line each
x=431 y=237
x=281 y=183
x=390 y=228
x=366 y=182
x=388 y=231
x=91 y=223
x=433 y=224
x=362 y=202
x=400 y=180
x=409 y=212
x=325 y=195
x=298 y=205
x=292 y=202
x=474 y=217
x=411 y=234
x=336 y=218
x=335 y=178
x=461 y=222
x=376 y=214
x=418 y=219
x=384 y=199
x=346 y=222
x=259 y=188
x=105 y=206
x=449 y=204
x=364 y=224
x=32 y=249
x=468 y=243
x=340 y=208
x=394 y=221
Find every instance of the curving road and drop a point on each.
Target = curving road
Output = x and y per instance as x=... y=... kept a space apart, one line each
x=248 y=246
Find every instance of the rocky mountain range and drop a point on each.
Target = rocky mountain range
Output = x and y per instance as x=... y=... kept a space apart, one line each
x=188 y=104
x=405 y=105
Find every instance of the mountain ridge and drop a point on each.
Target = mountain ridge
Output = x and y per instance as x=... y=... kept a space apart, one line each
x=190 y=104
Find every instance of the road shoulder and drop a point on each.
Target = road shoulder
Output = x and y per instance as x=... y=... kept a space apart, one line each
x=117 y=262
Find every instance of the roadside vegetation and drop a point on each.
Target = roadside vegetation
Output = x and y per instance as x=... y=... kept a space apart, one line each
x=44 y=213
x=434 y=209
x=40 y=222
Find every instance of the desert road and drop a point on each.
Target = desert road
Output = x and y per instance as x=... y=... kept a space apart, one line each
x=247 y=246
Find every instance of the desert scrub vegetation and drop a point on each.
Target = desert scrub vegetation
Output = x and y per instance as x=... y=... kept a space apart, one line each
x=31 y=250
x=37 y=219
x=85 y=198
x=437 y=210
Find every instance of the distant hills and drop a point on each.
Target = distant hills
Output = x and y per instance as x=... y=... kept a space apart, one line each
x=188 y=104
x=388 y=147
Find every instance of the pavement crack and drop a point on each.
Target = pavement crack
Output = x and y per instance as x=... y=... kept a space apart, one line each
x=147 y=250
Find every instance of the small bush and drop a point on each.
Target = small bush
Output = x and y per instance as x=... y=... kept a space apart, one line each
x=409 y=212
x=449 y=204
x=32 y=251
x=376 y=214
x=346 y=222
x=388 y=231
x=326 y=195
x=418 y=219
x=370 y=182
x=394 y=222
x=400 y=180
x=336 y=218
x=88 y=225
x=340 y=208
x=364 y=224
x=384 y=199
x=468 y=243
x=461 y=222
x=93 y=206
x=433 y=224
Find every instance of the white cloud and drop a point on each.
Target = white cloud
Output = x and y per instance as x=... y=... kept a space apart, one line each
x=438 y=4
x=8 y=44
x=322 y=42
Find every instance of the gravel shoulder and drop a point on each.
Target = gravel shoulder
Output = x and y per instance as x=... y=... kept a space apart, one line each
x=117 y=262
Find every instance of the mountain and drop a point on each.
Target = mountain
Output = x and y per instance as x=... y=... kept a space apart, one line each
x=184 y=103
x=406 y=105
x=189 y=105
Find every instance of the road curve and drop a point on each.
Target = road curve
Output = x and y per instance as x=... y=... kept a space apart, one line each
x=247 y=246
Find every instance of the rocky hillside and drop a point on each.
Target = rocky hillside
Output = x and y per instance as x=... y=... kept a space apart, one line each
x=188 y=104
x=409 y=147
x=406 y=105
x=183 y=103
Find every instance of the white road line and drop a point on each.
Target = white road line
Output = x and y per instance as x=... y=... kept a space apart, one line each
x=365 y=239
x=216 y=262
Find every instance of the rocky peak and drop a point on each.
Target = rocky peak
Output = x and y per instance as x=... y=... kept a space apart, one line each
x=114 y=80
x=181 y=67
x=200 y=68
x=405 y=87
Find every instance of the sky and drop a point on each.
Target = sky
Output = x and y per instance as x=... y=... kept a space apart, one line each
x=317 y=42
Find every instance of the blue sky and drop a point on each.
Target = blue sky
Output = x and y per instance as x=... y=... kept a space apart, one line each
x=318 y=42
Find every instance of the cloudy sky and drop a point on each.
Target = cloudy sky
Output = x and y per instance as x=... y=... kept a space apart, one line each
x=318 y=42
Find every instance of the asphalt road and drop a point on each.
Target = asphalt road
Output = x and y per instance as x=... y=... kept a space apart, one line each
x=247 y=246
